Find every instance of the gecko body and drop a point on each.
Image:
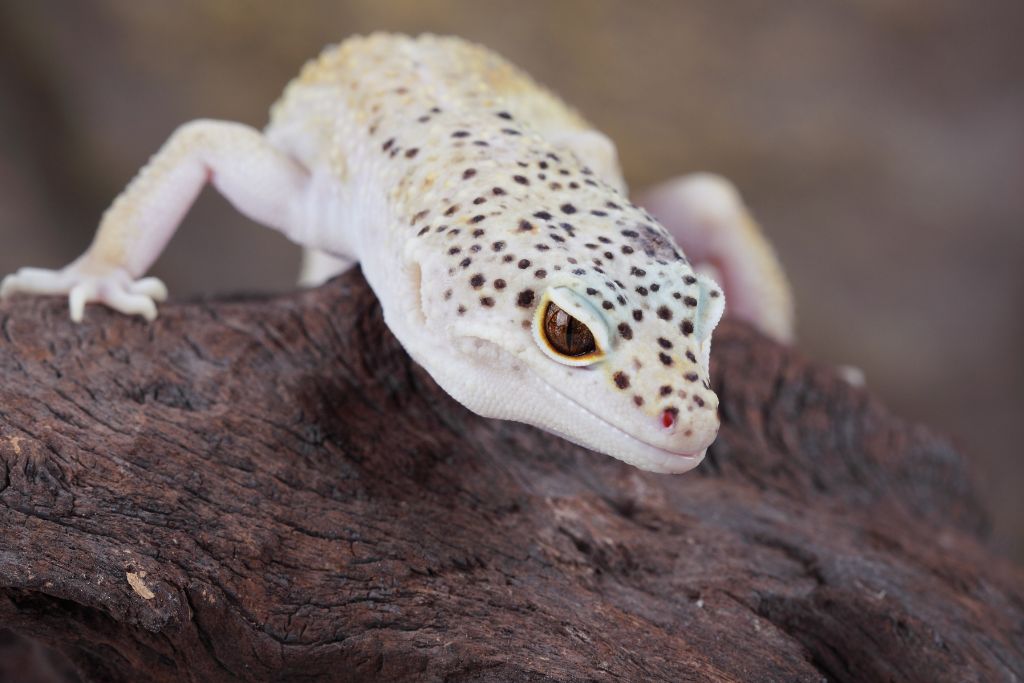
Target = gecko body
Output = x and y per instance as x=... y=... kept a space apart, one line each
x=491 y=221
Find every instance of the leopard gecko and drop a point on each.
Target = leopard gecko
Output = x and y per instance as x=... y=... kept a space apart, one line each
x=493 y=224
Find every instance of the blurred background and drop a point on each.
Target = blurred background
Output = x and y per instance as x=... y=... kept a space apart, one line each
x=881 y=144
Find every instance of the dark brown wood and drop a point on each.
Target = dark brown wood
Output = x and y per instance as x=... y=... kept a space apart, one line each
x=270 y=489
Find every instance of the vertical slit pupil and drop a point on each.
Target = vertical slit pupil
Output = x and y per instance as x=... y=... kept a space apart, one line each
x=567 y=335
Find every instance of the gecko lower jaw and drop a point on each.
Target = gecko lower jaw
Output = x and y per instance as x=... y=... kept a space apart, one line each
x=623 y=445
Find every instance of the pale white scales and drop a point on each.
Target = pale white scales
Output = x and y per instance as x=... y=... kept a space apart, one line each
x=493 y=224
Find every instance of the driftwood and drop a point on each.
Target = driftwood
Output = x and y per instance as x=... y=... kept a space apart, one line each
x=270 y=489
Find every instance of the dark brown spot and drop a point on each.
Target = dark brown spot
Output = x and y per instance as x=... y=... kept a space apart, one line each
x=568 y=208
x=690 y=301
x=525 y=298
x=690 y=357
x=521 y=179
x=686 y=328
x=690 y=377
x=497 y=191
x=607 y=305
x=626 y=249
x=641 y=290
x=665 y=359
x=468 y=173
x=410 y=153
x=638 y=400
x=665 y=389
x=454 y=250
x=477 y=281
x=664 y=313
x=499 y=284
x=699 y=401
x=461 y=309
x=638 y=315
x=524 y=264
x=498 y=246
x=625 y=330
x=387 y=145
x=525 y=226
x=465 y=262
x=689 y=279
x=460 y=134
x=664 y=343
x=540 y=274
x=477 y=218
x=487 y=301
x=621 y=380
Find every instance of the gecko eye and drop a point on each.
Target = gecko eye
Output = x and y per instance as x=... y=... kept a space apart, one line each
x=568 y=329
x=567 y=335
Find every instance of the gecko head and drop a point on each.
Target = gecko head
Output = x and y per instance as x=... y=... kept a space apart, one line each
x=613 y=359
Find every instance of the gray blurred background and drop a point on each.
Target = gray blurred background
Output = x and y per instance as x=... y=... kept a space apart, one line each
x=881 y=143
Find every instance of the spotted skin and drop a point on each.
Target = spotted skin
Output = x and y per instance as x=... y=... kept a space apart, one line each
x=472 y=198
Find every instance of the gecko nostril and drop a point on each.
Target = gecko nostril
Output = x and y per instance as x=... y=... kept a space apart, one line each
x=668 y=418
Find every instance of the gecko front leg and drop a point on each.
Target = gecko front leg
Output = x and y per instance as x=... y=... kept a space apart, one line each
x=260 y=181
x=706 y=216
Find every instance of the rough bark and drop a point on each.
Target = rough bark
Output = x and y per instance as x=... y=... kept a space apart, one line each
x=271 y=489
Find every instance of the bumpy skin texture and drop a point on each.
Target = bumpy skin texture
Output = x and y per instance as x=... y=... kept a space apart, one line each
x=472 y=198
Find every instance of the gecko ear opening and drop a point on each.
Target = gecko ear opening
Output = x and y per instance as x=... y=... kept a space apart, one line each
x=568 y=329
x=710 y=307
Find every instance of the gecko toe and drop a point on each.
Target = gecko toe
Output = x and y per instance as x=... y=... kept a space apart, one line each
x=151 y=287
x=131 y=304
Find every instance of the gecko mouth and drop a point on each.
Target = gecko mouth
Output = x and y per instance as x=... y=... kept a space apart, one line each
x=609 y=439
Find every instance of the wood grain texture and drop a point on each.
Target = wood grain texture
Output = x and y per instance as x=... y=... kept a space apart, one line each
x=270 y=489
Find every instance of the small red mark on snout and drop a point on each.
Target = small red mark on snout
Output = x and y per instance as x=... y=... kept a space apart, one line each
x=668 y=418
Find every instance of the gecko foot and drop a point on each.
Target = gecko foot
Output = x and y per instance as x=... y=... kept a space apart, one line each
x=112 y=287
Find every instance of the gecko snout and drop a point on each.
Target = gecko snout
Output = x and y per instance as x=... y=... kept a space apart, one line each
x=687 y=432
